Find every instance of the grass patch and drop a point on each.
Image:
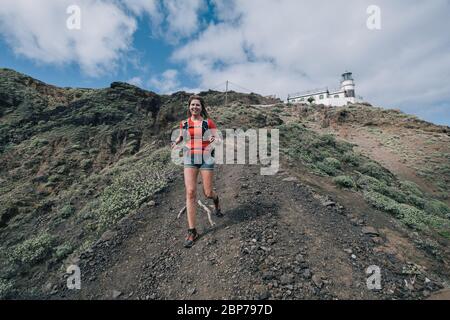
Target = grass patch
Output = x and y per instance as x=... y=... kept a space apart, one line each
x=63 y=251
x=411 y=216
x=132 y=187
x=375 y=170
x=33 y=250
x=344 y=182
x=437 y=207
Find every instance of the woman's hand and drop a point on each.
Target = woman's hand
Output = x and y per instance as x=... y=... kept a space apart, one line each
x=212 y=139
x=174 y=144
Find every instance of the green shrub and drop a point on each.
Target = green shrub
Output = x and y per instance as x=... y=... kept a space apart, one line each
x=437 y=207
x=130 y=188
x=351 y=158
x=329 y=165
x=391 y=192
x=381 y=202
x=32 y=250
x=332 y=162
x=66 y=211
x=366 y=182
x=328 y=139
x=344 y=182
x=86 y=164
x=416 y=201
x=329 y=170
x=411 y=216
x=63 y=251
x=445 y=233
x=375 y=170
x=410 y=188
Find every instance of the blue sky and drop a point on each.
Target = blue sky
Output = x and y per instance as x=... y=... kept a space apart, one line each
x=267 y=46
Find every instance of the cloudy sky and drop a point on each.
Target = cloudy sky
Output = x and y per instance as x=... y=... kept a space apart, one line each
x=399 y=55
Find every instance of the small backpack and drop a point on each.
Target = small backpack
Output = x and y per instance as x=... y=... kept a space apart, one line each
x=205 y=127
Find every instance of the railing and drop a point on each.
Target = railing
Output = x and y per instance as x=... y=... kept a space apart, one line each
x=308 y=92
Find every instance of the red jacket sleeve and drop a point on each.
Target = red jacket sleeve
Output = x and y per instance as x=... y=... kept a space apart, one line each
x=211 y=124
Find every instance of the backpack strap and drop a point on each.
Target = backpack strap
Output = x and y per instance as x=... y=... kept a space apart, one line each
x=205 y=126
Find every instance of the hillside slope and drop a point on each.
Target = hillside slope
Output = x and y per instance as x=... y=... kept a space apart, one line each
x=87 y=180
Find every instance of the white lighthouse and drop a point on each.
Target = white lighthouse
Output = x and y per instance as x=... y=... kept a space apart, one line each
x=348 y=85
x=338 y=97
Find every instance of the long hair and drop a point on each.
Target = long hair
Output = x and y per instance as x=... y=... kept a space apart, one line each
x=203 y=113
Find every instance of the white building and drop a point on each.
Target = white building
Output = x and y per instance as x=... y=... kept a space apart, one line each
x=339 y=97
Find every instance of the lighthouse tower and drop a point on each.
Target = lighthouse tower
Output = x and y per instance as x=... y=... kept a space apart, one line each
x=348 y=85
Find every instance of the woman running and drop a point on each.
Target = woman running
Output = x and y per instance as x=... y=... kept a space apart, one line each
x=200 y=132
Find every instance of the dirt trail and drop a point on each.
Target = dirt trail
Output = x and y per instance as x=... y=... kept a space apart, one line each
x=277 y=240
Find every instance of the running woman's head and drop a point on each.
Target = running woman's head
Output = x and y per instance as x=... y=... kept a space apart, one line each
x=196 y=106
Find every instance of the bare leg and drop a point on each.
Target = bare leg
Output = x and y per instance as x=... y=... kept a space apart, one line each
x=190 y=181
x=207 y=178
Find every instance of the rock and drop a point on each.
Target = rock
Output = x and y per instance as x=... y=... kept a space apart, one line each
x=291 y=178
x=377 y=240
x=287 y=278
x=116 y=294
x=268 y=275
x=353 y=256
x=261 y=292
x=299 y=258
x=264 y=295
x=317 y=281
x=370 y=231
x=329 y=203
x=48 y=287
x=192 y=291
x=349 y=251
x=307 y=273
x=108 y=235
x=151 y=203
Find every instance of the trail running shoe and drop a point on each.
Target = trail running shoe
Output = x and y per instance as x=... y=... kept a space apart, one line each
x=191 y=238
x=217 y=212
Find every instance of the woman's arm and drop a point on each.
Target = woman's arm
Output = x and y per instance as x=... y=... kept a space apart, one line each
x=213 y=131
x=179 y=138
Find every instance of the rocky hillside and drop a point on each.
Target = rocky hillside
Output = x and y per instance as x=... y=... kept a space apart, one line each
x=86 y=179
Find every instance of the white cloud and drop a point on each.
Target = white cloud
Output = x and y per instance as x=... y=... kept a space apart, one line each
x=37 y=30
x=171 y=20
x=136 y=81
x=284 y=46
x=183 y=17
x=167 y=82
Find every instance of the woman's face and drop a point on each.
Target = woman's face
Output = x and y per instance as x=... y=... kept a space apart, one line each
x=195 y=107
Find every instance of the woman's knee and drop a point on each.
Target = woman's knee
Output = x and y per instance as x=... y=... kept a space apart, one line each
x=191 y=194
